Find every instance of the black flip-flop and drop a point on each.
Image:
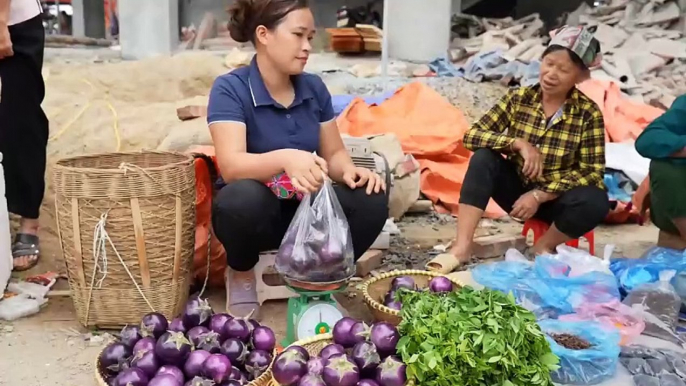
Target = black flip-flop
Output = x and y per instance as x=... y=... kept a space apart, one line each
x=26 y=245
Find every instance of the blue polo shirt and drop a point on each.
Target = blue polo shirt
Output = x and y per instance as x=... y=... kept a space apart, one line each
x=241 y=96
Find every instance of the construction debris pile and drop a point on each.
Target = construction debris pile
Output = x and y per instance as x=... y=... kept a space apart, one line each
x=644 y=46
x=643 y=43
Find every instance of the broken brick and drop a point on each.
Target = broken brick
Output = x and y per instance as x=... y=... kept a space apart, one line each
x=368 y=262
x=191 y=112
x=489 y=247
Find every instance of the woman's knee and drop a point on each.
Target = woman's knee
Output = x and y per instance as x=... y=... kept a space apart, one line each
x=484 y=158
x=244 y=200
x=595 y=202
x=584 y=208
x=358 y=202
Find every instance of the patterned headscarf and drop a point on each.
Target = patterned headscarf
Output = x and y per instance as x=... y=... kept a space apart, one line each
x=580 y=41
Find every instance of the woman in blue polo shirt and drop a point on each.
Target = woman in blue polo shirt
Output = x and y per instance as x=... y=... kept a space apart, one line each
x=268 y=119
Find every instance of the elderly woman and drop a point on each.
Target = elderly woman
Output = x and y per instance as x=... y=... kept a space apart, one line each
x=540 y=152
x=664 y=142
x=267 y=121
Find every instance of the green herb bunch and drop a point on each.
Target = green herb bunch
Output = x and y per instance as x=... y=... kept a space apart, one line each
x=472 y=338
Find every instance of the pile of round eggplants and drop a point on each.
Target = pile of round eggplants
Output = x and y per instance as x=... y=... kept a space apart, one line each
x=360 y=355
x=438 y=284
x=199 y=348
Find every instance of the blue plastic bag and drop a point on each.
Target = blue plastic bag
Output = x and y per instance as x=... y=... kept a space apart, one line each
x=518 y=278
x=632 y=273
x=565 y=292
x=584 y=367
x=546 y=287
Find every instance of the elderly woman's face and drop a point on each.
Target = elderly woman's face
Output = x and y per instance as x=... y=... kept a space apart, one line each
x=559 y=73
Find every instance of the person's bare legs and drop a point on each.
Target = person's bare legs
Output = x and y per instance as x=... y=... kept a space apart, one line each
x=680 y=224
x=30 y=227
x=549 y=241
x=467 y=223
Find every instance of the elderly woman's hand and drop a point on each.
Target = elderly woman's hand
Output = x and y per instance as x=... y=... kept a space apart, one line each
x=533 y=161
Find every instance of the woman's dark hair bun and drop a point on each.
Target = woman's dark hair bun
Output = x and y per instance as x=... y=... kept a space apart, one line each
x=241 y=14
x=246 y=15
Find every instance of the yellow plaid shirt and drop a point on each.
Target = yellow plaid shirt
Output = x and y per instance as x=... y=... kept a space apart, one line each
x=572 y=145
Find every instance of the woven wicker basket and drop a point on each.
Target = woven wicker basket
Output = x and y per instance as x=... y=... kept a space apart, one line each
x=375 y=289
x=263 y=380
x=126 y=225
x=314 y=346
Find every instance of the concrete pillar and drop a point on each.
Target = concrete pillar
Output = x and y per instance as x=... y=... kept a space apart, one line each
x=88 y=19
x=418 y=31
x=148 y=28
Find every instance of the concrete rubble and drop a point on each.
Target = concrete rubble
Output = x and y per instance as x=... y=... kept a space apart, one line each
x=643 y=43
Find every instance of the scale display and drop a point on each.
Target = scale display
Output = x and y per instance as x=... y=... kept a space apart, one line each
x=317 y=318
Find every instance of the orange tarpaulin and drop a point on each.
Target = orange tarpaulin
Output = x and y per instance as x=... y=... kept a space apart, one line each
x=624 y=118
x=429 y=128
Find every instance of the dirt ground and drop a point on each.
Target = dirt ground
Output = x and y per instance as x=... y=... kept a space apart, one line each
x=92 y=101
x=52 y=349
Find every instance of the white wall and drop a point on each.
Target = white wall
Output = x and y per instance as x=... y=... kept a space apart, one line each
x=419 y=31
x=148 y=27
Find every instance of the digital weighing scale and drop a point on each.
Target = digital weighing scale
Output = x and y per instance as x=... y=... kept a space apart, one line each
x=311 y=313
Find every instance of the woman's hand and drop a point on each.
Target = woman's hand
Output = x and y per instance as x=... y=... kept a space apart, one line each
x=525 y=207
x=306 y=170
x=357 y=177
x=533 y=161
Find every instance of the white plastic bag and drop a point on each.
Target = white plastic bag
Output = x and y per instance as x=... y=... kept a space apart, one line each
x=20 y=306
x=317 y=247
x=581 y=262
x=5 y=245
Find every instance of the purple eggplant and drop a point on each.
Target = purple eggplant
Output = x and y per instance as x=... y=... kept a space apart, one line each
x=217 y=367
x=217 y=322
x=198 y=381
x=130 y=335
x=115 y=357
x=385 y=337
x=232 y=382
x=394 y=305
x=172 y=370
x=403 y=282
x=194 y=334
x=173 y=348
x=263 y=338
x=312 y=380
x=235 y=350
x=360 y=332
x=391 y=372
x=341 y=371
x=145 y=344
x=391 y=296
x=165 y=380
x=131 y=377
x=237 y=375
x=237 y=328
x=146 y=361
x=366 y=357
x=367 y=382
x=315 y=366
x=210 y=342
x=193 y=366
x=177 y=325
x=197 y=313
x=331 y=350
x=252 y=324
x=154 y=325
x=342 y=332
x=289 y=367
x=257 y=363
x=300 y=350
x=440 y=284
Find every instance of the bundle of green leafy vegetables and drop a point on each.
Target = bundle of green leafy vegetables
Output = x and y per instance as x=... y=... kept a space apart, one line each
x=472 y=338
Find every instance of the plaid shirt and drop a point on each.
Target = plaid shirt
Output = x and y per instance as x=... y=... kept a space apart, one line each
x=572 y=143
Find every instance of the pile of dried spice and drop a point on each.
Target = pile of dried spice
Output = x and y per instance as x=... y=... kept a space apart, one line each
x=570 y=341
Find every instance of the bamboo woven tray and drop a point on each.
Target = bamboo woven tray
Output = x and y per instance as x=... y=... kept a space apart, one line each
x=314 y=346
x=376 y=288
x=263 y=380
